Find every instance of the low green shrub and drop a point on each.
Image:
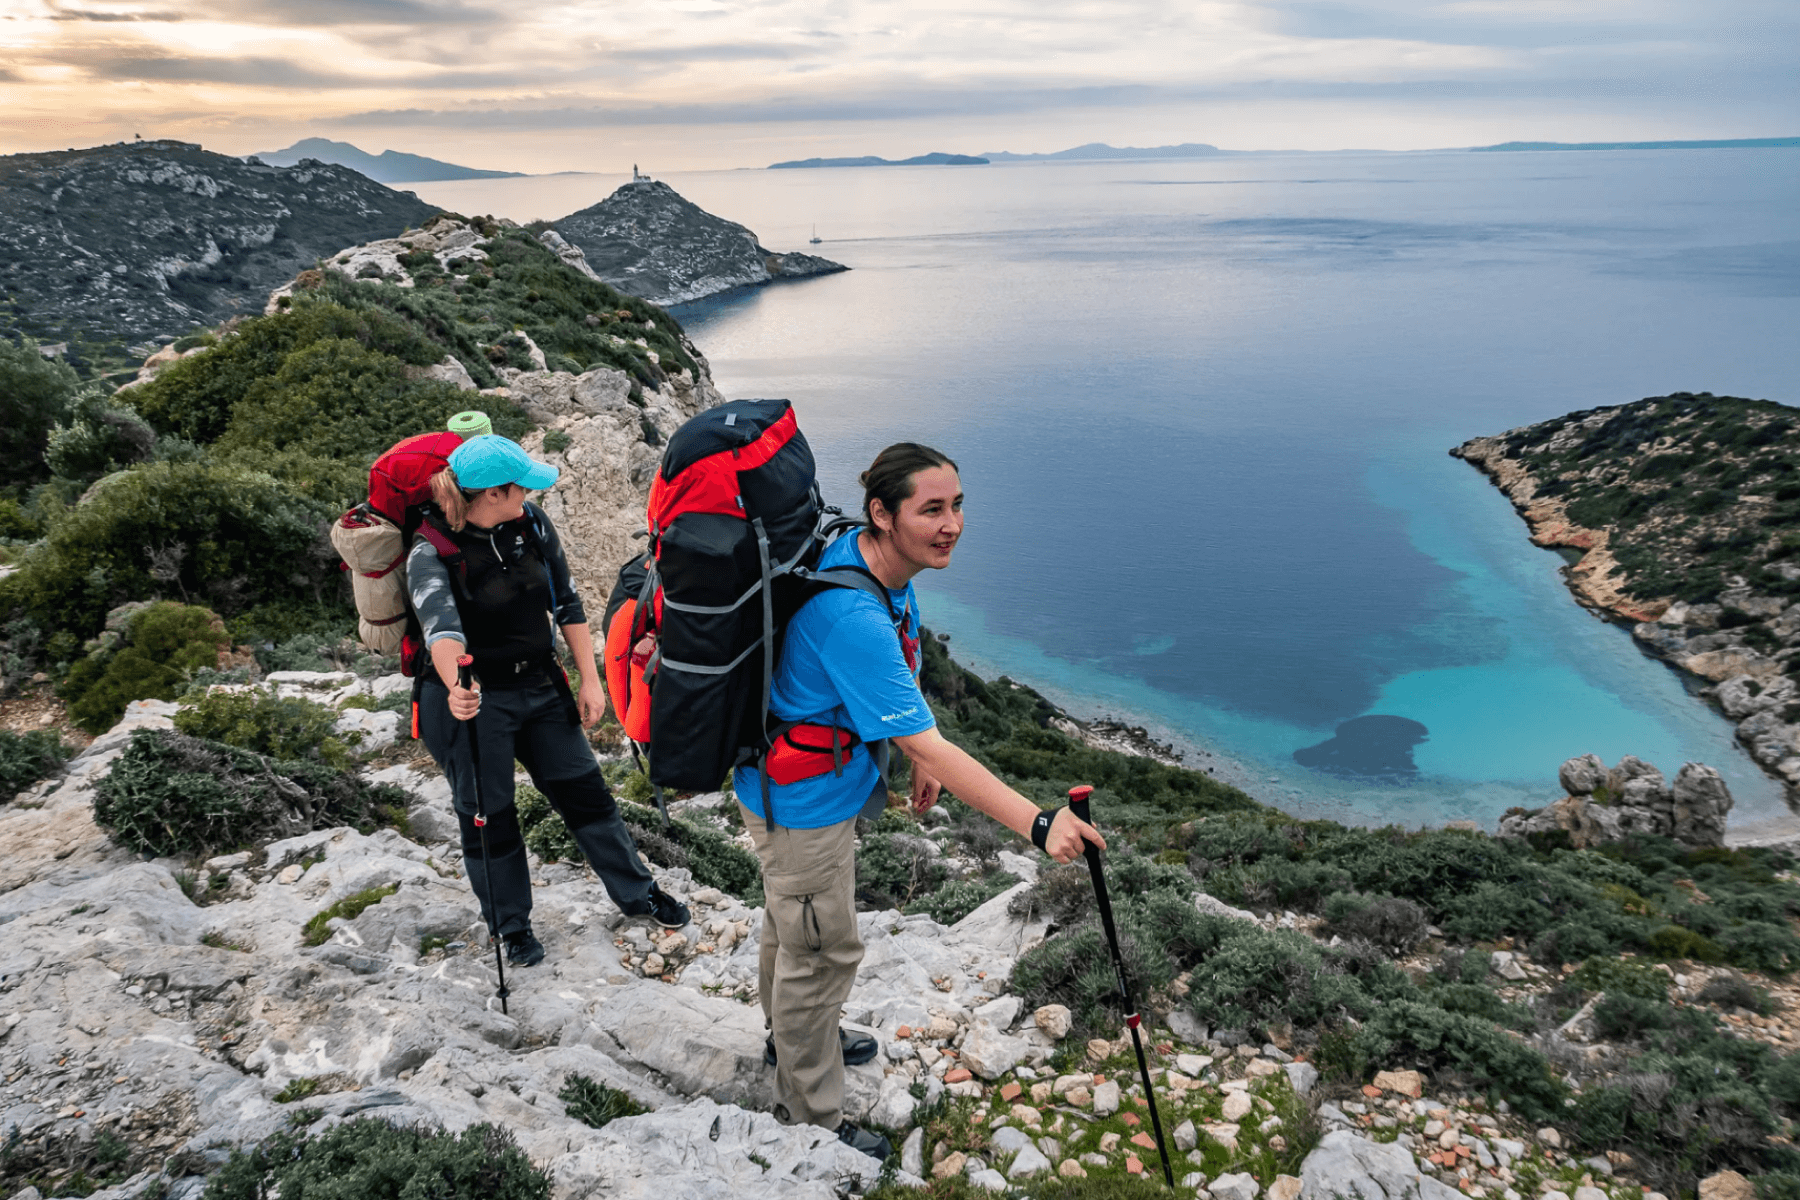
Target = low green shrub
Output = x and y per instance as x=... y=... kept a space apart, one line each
x=260 y=721
x=893 y=868
x=35 y=393
x=369 y=1159
x=228 y=535
x=1459 y=1046
x=26 y=758
x=957 y=899
x=162 y=643
x=1394 y=924
x=708 y=854
x=1621 y=977
x=98 y=435
x=1734 y=991
x=1679 y=1116
x=596 y=1104
x=317 y=930
x=171 y=794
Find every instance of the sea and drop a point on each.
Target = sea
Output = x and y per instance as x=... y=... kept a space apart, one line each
x=1203 y=409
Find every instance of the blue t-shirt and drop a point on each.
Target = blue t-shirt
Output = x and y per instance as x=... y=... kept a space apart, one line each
x=842 y=665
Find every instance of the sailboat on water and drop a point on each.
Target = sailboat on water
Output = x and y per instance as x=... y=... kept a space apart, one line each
x=815 y=239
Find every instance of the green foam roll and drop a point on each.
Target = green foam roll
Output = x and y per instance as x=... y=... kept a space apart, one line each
x=471 y=424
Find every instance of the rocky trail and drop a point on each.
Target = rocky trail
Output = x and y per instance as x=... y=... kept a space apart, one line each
x=157 y=1014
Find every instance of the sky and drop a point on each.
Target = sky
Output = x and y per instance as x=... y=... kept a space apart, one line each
x=561 y=85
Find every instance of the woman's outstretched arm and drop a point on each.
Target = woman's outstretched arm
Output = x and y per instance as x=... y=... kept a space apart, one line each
x=975 y=785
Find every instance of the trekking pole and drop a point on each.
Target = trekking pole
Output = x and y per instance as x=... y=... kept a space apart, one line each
x=465 y=675
x=1078 y=804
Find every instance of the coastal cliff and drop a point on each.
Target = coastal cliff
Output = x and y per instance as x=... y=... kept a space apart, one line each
x=148 y=239
x=646 y=239
x=1685 y=513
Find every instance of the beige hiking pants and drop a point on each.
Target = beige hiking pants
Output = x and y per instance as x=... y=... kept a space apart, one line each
x=810 y=952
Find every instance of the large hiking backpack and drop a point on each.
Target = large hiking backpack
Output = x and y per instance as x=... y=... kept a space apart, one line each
x=736 y=528
x=373 y=538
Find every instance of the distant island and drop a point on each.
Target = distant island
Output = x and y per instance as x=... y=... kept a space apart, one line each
x=390 y=166
x=1787 y=143
x=870 y=160
x=1100 y=150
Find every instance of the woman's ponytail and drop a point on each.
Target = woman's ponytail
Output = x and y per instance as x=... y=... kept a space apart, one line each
x=447 y=494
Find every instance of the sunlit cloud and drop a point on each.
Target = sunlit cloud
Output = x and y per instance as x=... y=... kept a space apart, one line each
x=527 y=82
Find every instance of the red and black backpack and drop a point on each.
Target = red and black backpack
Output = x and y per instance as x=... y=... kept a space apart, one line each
x=736 y=528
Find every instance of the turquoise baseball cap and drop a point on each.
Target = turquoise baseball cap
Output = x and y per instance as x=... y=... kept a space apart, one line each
x=493 y=461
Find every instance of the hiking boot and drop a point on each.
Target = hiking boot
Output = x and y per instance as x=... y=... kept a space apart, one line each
x=866 y=1140
x=662 y=908
x=859 y=1048
x=523 y=949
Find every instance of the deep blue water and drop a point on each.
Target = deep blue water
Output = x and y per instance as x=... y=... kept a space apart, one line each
x=1202 y=410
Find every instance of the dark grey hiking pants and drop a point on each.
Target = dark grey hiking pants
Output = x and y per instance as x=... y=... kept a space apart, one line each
x=535 y=726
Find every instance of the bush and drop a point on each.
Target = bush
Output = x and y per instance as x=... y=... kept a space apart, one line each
x=713 y=858
x=162 y=644
x=1260 y=979
x=98 y=436
x=228 y=534
x=1680 y=1116
x=26 y=758
x=369 y=1159
x=1394 y=924
x=1621 y=977
x=891 y=869
x=1734 y=991
x=171 y=794
x=262 y=722
x=596 y=1104
x=1462 y=1046
x=34 y=394
x=954 y=901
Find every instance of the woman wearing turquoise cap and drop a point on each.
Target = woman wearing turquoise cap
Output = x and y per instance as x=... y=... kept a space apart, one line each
x=484 y=576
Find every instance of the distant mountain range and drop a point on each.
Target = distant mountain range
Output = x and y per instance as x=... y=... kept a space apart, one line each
x=1100 y=151
x=390 y=166
x=1718 y=144
x=869 y=160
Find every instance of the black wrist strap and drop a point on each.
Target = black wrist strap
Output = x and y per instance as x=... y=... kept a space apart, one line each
x=1040 y=828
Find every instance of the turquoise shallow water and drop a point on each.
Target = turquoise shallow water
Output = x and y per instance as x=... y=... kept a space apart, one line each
x=1203 y=410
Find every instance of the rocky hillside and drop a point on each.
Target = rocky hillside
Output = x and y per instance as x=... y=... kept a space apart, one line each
x=647 y=240
x=1684 y=512
x=145 y=240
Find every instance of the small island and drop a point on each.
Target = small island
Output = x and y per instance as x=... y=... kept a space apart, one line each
x=869 y=160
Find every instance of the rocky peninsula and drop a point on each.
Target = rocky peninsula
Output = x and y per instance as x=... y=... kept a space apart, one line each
x=1682 y=517
x=646 y=239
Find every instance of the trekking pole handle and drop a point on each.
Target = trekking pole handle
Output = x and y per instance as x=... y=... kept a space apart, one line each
x=1078 y=801
x=465 y=671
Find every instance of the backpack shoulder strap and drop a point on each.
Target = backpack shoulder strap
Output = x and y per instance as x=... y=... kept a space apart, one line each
x=859 y=579
x=433 y=530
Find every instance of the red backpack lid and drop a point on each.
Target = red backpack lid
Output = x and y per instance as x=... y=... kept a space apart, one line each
x=401 y=478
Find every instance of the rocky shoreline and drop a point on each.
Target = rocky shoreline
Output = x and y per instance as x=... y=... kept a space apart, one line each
x=1738 y=640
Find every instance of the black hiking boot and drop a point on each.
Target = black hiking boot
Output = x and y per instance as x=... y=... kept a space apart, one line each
x=859 y=1048
x=662 y=908
x=523 y=949
x=866 y=1140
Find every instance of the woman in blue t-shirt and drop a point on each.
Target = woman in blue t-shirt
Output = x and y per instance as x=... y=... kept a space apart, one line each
x=849 y=678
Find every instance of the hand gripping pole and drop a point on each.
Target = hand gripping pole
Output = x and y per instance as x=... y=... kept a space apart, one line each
x=465 y=677
x=1078 y=804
